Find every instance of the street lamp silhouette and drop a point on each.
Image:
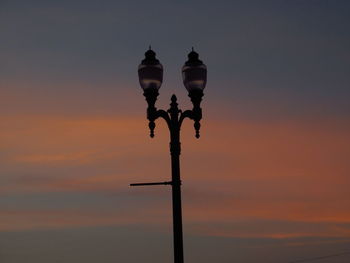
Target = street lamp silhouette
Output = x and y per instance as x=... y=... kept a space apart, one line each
x=194 y=74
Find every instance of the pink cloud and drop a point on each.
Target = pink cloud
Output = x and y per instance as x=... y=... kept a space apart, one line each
x=293 y=171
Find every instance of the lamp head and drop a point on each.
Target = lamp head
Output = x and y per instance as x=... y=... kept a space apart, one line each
x=150 y=72
x=194 y=73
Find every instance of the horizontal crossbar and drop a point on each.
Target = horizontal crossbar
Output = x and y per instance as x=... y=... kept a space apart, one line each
x=158 y=183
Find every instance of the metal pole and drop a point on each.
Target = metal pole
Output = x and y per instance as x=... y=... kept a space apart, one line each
x=176 y=194
x=174 y=118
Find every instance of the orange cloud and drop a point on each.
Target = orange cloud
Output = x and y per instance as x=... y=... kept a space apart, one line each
x=293 y=171
x=14 y=220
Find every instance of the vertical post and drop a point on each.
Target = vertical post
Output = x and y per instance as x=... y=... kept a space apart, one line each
x=175 y=150
x=176 y=195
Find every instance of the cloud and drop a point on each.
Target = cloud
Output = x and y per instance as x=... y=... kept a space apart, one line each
x=19 y=220
x=284 y=171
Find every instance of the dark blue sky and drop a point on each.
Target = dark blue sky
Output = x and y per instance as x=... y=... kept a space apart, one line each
x=294 y=54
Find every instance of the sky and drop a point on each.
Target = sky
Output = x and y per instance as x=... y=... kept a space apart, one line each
x=268 y=181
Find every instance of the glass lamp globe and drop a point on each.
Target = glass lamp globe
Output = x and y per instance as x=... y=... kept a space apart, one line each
x=194 y=73
x=150 y=72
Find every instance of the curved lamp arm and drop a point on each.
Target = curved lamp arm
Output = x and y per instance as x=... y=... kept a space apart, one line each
x=184 y=115
x=195 y=115
x=152 y=115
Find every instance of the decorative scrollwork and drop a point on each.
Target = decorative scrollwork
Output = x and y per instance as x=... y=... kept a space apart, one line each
x=174 y=116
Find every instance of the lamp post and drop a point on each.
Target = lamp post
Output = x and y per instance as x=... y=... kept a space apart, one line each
x=194 y=75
